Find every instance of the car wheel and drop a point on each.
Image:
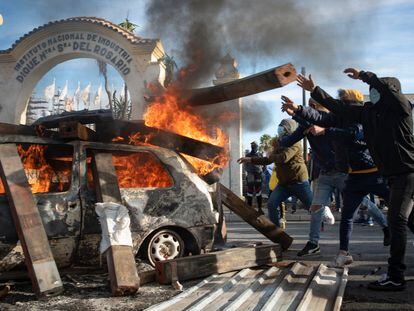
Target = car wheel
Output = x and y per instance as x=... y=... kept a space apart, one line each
x=164 y=245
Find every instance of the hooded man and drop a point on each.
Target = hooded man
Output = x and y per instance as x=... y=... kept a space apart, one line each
x=388 y=131
x=292 y=174
x=363 y=177
x=333 y=170
x=254 y=178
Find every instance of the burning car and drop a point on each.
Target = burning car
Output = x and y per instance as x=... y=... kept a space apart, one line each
x=171 y=208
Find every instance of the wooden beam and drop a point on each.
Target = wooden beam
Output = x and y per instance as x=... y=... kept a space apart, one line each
x=198 y=266
x=258 y=221
x=75 y=130
x=157 y=137
x=83 y=116
x=257 y=83
x=39 y=259
x=13 y=129
x=220 y=233
x=120 y=259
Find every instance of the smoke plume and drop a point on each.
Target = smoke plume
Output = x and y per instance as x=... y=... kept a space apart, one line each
x=320 y=33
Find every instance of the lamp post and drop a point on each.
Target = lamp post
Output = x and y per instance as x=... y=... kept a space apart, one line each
x=305 y=142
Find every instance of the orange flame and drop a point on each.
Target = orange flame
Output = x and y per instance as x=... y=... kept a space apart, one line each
x=167 y=112
x=137 y=170
x=41 y=174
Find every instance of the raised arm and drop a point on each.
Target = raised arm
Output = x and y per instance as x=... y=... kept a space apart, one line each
x=400 y=103
x=352 y=113
x=283 y=155
x=278 y=156
x=293 y=138
x=313 y=116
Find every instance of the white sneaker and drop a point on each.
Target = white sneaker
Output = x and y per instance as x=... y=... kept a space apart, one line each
x=328 y=217
x=340 y=261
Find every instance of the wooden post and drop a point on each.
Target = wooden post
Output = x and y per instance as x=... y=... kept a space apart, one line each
x=193 y=267
x=260 y=222
x=39 y=259
x=75 y=130
x=257 y=83
x=121 y=263
x=305 y=142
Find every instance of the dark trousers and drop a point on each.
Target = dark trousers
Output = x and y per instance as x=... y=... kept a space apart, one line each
x=399 y=216
x=301 y=190
x=357 y=186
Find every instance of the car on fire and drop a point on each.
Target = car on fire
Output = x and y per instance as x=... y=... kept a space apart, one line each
x=172 y=209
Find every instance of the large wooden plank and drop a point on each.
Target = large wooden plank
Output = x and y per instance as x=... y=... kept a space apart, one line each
x=75 y=130
x=257 y=83
x=84 y=116
x=38 y=255
x=140 y=133
x=258 y=221
x=120 y=259
x=198 y=266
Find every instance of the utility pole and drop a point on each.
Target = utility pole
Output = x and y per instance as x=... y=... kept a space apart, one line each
x=305 y=142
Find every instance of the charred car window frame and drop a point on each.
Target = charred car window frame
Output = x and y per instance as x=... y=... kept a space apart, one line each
x=87 y=149
x=48 y=144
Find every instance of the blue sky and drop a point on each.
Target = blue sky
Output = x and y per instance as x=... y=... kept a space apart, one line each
x=383 y=32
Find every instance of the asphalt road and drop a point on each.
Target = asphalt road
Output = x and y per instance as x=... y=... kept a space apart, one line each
x=367 y=250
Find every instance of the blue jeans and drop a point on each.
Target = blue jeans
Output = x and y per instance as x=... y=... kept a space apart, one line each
x=356 y=188
x=300 y=190
x=375 y=212
x=325 y=186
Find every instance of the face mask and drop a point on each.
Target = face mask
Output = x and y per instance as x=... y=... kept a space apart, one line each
x=280 y=130
x=374 y=96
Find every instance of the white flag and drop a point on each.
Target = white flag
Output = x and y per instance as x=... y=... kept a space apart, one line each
x=76 y=97
x=64 y=92
x=68 y=104
x=50 y=91
x=98 y=98
x=86 y=95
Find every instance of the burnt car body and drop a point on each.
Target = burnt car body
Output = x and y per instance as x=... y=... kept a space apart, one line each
x=167 y=221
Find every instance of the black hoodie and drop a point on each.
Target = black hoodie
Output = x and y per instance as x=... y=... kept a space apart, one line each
x=388 y=124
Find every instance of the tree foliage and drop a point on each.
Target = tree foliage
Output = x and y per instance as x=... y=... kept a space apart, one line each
x=265 y=143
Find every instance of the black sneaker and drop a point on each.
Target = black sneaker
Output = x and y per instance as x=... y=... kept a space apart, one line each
x=387 y=284
x=387 y=236
x=309 y=249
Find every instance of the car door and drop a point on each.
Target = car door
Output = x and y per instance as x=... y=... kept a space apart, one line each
x=52 y=174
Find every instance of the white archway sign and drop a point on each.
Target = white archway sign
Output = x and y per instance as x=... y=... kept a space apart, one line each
x=33 y=55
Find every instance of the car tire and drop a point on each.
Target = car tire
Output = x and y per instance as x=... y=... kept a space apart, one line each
x=164 y=245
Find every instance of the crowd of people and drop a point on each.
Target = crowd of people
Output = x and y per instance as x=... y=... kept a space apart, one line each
x=361 y=150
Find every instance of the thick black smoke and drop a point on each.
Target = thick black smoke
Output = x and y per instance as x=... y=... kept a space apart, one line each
x=257 y=114
x=320 y=33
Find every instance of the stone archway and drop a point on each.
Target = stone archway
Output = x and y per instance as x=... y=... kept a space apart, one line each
x=34 y=54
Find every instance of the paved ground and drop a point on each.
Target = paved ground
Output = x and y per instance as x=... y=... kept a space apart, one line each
x=90 y=292
x=367 y=250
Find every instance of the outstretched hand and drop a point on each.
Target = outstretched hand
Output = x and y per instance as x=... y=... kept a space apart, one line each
x=306 y=83
x=352 y=73
x=315 y=130
x=289 y=106
x=244 y=160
